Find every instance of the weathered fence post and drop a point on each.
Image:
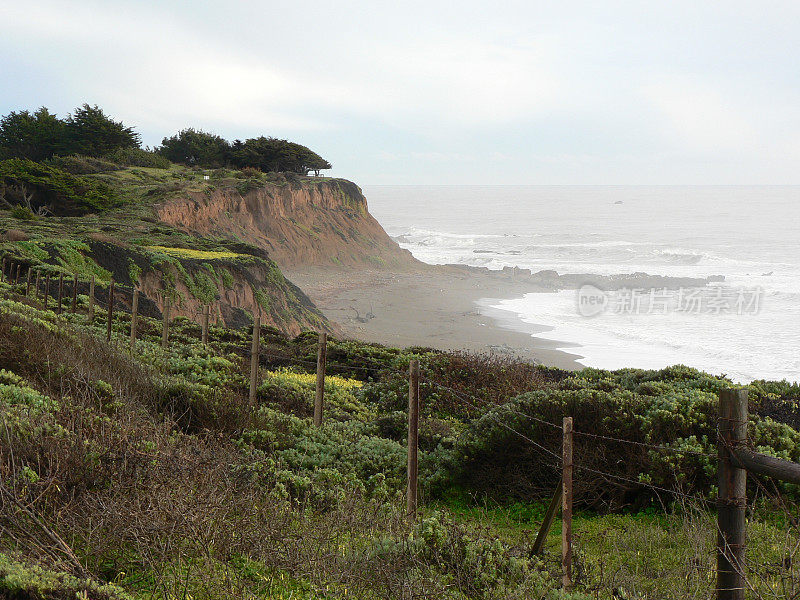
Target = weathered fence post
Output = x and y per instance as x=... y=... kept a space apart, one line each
x=254 y=359
x=3 y=272
x=74 y=294
x=165 y=324
x=91 y=300
x=206 y=318
x=38 y=275
x=547 y=522
x=319 y=398
x=28 y=283
x=413 y=439
x=566 y=506
x=16 y=277
x=46 y=290
x=134 y=316
x=110 y=309
x=732 y=495
x=60 y=292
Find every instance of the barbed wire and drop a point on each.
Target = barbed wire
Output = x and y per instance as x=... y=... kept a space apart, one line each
x=776 y=496
x=638 y=482
x=468 y=399
x=645 y=444
x=498 y=421
x=576 y=464
x=506 y=407
x=381 y=367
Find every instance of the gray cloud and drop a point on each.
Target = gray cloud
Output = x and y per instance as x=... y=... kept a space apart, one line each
x=685 y=92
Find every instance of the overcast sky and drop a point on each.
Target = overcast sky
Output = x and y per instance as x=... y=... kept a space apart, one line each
x=679 y=92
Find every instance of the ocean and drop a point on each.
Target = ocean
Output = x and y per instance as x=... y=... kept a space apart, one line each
x=747 y=327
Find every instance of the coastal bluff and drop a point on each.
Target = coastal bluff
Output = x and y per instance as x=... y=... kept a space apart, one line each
x=319 y=222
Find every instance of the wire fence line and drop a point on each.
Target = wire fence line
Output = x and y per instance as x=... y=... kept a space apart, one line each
x=470 y=400
x=549 y=452
x=380 y=367
x=506 y=426
x=749 y=571
x=70 y=279
x=102 y=303
x=551 y=458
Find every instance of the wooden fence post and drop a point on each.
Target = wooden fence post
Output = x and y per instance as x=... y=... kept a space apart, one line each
x=46 y=290
x=60 y=292
x=319 y=398
x=75 y=294
x=732 y=495
x=3 y=272
x=768 y=466
x=254 y=359
x=91 y=300
x=28 y=283
x=134 y=316
x=206 y=317
x=16 y=277
x=549 y=516
x=38 y=275
x=110 y=310
x=165 y=325
x=566 y=506
x=413 y=439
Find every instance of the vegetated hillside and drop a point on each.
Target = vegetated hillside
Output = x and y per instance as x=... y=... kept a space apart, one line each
x=149 y=474
x=300 y=221
x=120 y=236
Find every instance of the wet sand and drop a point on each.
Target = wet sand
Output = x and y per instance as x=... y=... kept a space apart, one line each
x=438 y=307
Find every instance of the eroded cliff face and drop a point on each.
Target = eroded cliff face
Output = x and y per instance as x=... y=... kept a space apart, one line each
x=281 y=304
x=322 y=222
x=233 y=288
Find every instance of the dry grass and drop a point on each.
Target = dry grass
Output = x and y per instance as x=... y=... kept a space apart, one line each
x=14 y=235
x=119 y=486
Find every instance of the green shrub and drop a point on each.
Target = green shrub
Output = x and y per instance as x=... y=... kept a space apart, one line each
x=248 y=185
x=61 y=192
x=31 y=251
x=779 y=400
x=134 y=271
x=250 y=172
x=227 y=279
x=23 y=213
x=295 y=392
x=476 y=564
x=351 y=448
x=137 y=157
x=18 y=580
x=27 y=412
x=71 y=255
x=675 y=407
x=83 y=165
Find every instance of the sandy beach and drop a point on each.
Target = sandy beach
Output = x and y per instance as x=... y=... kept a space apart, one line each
x=439 y=307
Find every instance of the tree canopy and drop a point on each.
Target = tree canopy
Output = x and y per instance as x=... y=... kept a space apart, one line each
x=88 y=131
x=35 y=136
x=195 y=147
x=43 y=188
x=41 y=135
x=91 y=132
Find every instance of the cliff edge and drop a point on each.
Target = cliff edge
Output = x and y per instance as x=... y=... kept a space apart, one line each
x=300 y=222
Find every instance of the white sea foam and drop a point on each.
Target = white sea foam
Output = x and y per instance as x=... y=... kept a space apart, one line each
x=746 y=234
x=742 y=346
